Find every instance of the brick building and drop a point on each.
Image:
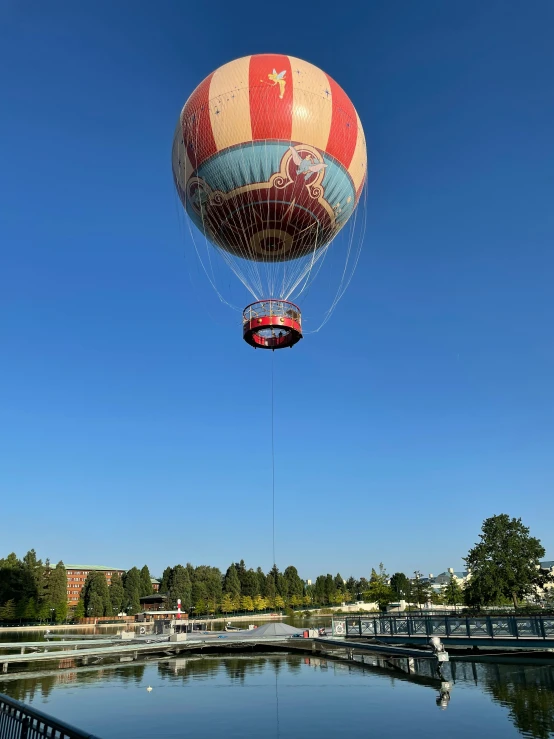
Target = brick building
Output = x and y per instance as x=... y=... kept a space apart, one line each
x=77 y=574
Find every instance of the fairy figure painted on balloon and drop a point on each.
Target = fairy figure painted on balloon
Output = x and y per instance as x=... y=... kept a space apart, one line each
x=278 y=79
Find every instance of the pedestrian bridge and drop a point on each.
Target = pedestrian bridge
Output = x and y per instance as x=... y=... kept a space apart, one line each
x=536 y=632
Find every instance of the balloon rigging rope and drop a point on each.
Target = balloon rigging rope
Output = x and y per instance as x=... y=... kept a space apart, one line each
x=264 y=277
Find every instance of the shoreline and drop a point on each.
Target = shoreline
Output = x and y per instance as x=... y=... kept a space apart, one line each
x=123 y=623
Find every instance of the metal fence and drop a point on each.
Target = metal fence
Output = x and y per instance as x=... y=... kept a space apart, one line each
x=489 y=627
x=19 y=721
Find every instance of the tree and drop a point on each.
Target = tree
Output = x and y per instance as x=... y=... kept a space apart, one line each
x=307 y=600
x=57 y=591
x=276 y=583
x=231 y=582
x=296 y=600
x=117 y=593
x=201 y=606
x=132 y=588
x=199 y=591
x=249 y=584
x=145 y=582
x=420 y=590
x=7 y=611
x=453 y=592
x=329 y=588
x=505 y=562
x=45 y=610
x=279 y=602
x=95 y=605
x=240 y=568
x=79 y=611
x=400 y=586
x=180 y=587
x=379 y=590
x=206 y=584
x=227 y=603
x=164 y=584
x=260 y=603
x=28 y=609
x=270 y=591
x=337 y=598
x=246 y=603
x=294 y=584
x=261 y=581
x=352 y=587
x=319 y=595
x=96 y=595
x=30 y=582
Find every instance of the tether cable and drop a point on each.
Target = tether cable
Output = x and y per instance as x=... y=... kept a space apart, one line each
x=273 y=458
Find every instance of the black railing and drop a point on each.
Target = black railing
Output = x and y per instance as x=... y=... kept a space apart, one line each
x=467 y=627
x=19 y=721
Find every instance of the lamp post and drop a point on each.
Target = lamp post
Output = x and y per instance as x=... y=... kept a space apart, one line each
x=52 y=611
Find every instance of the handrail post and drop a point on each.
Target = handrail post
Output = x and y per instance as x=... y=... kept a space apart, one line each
x=25 y=727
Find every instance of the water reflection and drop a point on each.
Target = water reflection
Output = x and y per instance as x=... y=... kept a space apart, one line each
x=285 y=687
x=527 y=691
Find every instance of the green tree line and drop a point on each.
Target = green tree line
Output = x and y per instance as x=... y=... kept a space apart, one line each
x=31 y=589
x=504 y=568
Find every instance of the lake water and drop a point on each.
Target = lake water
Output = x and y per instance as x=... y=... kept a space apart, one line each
x=279 y=695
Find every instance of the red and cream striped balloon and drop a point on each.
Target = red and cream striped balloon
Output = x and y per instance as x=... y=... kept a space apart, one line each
x=269 y=157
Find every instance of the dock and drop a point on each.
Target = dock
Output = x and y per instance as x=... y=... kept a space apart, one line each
x=47 y=646
x=133 y=647
x=387 y=650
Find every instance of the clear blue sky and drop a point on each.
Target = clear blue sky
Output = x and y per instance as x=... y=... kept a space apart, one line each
x=134 y=421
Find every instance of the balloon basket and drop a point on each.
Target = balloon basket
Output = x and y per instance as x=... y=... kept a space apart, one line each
x=272 y=324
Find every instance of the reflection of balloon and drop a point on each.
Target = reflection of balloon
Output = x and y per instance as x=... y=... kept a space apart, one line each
x=269 y=160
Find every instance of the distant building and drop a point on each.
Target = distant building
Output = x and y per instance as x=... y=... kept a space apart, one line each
x=437 y=582
x=444 y=577
x=155 y=584
x=156 y=602
x=77 y=574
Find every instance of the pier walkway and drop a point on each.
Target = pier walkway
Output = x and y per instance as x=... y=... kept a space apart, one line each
x=517 y=632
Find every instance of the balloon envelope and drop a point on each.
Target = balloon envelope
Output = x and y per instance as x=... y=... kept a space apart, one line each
x=269 y=160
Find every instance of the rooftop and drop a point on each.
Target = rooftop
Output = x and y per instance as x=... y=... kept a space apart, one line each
x=90 y=568
x=457 y=574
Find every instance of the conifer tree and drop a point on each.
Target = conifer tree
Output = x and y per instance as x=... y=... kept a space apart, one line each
x=117 y=593
x=145 y=582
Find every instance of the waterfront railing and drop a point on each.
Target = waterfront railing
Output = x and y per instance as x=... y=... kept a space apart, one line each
x=468 y=627
x=19 y=721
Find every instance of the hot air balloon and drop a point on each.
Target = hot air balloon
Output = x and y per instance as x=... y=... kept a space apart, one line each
x=269 y=161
